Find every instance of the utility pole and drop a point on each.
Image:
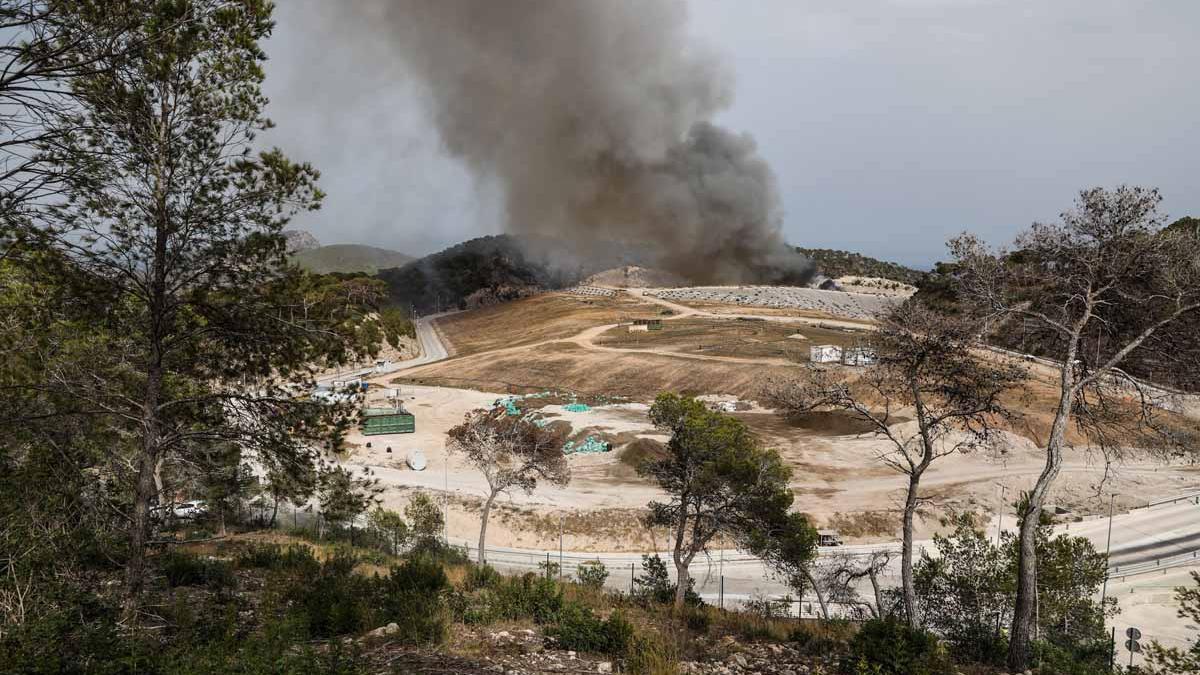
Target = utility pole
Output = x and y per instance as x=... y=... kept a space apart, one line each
x=560 y=547
x=1107 y=548
x=446 y=499
x=721 y=575
x=1000 y=512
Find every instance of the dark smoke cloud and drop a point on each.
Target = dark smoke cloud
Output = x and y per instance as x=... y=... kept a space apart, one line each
x=594 y=119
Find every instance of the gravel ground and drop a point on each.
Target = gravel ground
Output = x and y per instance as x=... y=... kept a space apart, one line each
x=836 y=303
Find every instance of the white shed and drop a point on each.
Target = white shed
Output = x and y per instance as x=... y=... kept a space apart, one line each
x=859 y=356
x=825 y=353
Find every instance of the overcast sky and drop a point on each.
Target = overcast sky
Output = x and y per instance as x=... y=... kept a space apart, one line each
x=891 y=124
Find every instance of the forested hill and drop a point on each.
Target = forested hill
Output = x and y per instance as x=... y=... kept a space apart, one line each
x=834 y=263
x=348 y=258
x=493 y=269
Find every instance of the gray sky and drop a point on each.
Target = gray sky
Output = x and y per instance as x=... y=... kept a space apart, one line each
x=891 y=124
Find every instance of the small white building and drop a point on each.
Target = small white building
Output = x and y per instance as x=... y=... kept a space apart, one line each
x=825 y=354
x=859 y=356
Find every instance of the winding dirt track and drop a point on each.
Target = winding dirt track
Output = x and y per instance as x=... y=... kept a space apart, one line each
x=586 y=338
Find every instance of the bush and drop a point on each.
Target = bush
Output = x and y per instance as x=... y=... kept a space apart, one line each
x=697 y=619
x=889 y=647
x=529 y=596
x=655 y=586
x=332 y=601
x=411 y=596
x=489 y=597
x=579 y=629
x=822 y=637
x=481 y=576
x=80 y=634
x=296 y=557
x=184 y=569
x=259 y=556
x=1079 y=660
x=592 y=574
x=651 y=654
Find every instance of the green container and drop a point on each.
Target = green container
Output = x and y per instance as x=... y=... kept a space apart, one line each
x=378 y=421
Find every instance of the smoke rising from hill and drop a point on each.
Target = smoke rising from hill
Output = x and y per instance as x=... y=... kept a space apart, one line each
x=593 y=118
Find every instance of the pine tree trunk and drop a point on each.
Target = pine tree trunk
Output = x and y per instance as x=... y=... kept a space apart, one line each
x=817 y=591
x=1020 y=646
x=144 y=489
x=906 y=551
x=159 y=489
x=681 y=562
x=681 y=583
x=483 y=523
x=878 y=593
x=135 y=567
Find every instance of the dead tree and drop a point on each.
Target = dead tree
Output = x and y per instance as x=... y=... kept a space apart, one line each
x=927 y=365
x=844 y=573
x=511 y=453
x=1104 y=286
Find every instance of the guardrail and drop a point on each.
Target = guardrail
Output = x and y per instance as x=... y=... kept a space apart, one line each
x=1160 y=564
x=1195 y=496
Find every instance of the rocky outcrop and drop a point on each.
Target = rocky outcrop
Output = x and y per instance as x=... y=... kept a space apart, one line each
x=300 y=240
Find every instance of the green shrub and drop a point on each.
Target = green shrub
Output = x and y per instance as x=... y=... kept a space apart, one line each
x=482 y=576
x=184 y=569
x=529 y=596
x=655 y=585
x=822 y=637
x=278 y=647
x=65 y=639
x=1052 y=659
x=259 y=556
x=411 y=597
x=890 y=647
x=488 y=597
x=578 y=628
x=333 y=601
x=697 y=619
x=479 y=608
x=592 y=574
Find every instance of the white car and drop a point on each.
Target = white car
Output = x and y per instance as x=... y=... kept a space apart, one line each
x=180 y=511
x=192 y=509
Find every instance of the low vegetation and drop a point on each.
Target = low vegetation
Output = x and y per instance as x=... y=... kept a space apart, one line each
x=348 y=258
x=834 y=263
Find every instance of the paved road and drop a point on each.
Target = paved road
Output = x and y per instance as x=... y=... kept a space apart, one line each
x=1139 y=537
x=432 y=349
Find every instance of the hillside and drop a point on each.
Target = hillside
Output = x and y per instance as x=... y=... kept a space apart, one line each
x=492 y=269
x=349 y=258
x=300 y=240
x=834 y=263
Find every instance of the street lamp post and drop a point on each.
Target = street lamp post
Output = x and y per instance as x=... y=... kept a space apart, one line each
x=1107 y=548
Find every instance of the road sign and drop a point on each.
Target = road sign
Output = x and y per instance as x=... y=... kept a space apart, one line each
x=1133 y=633
x=1133 y=646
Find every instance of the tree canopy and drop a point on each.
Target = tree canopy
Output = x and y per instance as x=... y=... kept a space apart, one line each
x=721 y=481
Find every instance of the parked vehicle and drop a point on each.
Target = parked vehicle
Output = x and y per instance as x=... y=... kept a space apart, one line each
x=192 y=509
x=188 y=510
x=828 y=538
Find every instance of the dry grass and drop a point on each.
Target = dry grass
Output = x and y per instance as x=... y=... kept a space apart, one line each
x=569 y=366
x=551 y=316
x=864 y=523
x=730 y=338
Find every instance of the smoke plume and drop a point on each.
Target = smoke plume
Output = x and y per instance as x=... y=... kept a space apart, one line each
x=594 y=119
